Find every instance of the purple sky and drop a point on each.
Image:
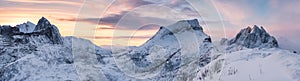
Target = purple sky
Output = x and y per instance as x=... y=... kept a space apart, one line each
x=280 y=17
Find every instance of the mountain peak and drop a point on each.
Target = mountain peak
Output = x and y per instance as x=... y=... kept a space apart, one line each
x=254 y=37
x=172 y=38
x=44 y=26
x=43 y=23
x=185 y=25
x=256 y=29
x=194 y=24
x=44 y=20
x=29 y=33
x=28 y=22
x=263 y=29
x=180 y=27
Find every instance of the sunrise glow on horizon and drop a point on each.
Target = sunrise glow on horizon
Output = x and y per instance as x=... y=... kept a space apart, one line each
x=275 y=15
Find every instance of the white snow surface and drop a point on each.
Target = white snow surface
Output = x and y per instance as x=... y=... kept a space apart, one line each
x=27 y=27
x=261 y=65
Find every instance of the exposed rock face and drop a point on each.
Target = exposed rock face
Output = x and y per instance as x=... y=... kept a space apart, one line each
x=51 y=31
x=195 y=24
x=28 y=33
x=254 y=37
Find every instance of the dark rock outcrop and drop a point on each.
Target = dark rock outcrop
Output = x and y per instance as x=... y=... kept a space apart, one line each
x=254 y=37
x=195 y=24
x=28 y=33
x=51 y=31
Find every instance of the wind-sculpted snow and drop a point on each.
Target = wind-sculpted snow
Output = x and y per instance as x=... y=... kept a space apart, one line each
x=271 y=64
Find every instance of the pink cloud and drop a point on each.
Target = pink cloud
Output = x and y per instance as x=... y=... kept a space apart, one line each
x=49 y=1
x=235 y=13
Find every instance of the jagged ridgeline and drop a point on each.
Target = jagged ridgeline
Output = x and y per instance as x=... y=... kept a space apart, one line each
x=28 y=33
x=30 y=52
x=254 y=37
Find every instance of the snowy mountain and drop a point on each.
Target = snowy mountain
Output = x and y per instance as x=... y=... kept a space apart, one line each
x=166 y=55
x=253 y=55
x=177 y=52
x=40 y=55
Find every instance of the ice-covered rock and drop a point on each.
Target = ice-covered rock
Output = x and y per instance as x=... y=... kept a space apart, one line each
x=254 y=37
x=27 y=27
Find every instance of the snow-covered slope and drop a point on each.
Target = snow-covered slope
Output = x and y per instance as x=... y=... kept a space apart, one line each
x=42 y=54
x=253 y=56
x=262 y=65
x=173 y=53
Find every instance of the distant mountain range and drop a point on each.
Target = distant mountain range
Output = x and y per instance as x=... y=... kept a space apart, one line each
x=178 y=52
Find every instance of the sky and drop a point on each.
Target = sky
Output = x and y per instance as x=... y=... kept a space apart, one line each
x=132 y=22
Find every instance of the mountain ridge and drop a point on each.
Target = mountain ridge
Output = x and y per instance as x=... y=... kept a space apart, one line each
x=254 y=37
x=43 y=32
x=180 y=51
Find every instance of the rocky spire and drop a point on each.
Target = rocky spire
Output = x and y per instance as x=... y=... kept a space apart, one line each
x=42 y=25
x=254 y=37
x=195 y=24
x=51 y=31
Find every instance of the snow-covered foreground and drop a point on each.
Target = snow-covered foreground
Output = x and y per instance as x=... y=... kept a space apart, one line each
x=261 y=65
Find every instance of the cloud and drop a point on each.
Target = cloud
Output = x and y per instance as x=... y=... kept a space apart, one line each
x=119 y=6
x=119 y=37
x=73 y=2
x=129 y=22
x=234 y=11
x=276 y=16
x=134 y=3
x=287 y=10
x=44 y=7
x=112 y=19
x=280 y=18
